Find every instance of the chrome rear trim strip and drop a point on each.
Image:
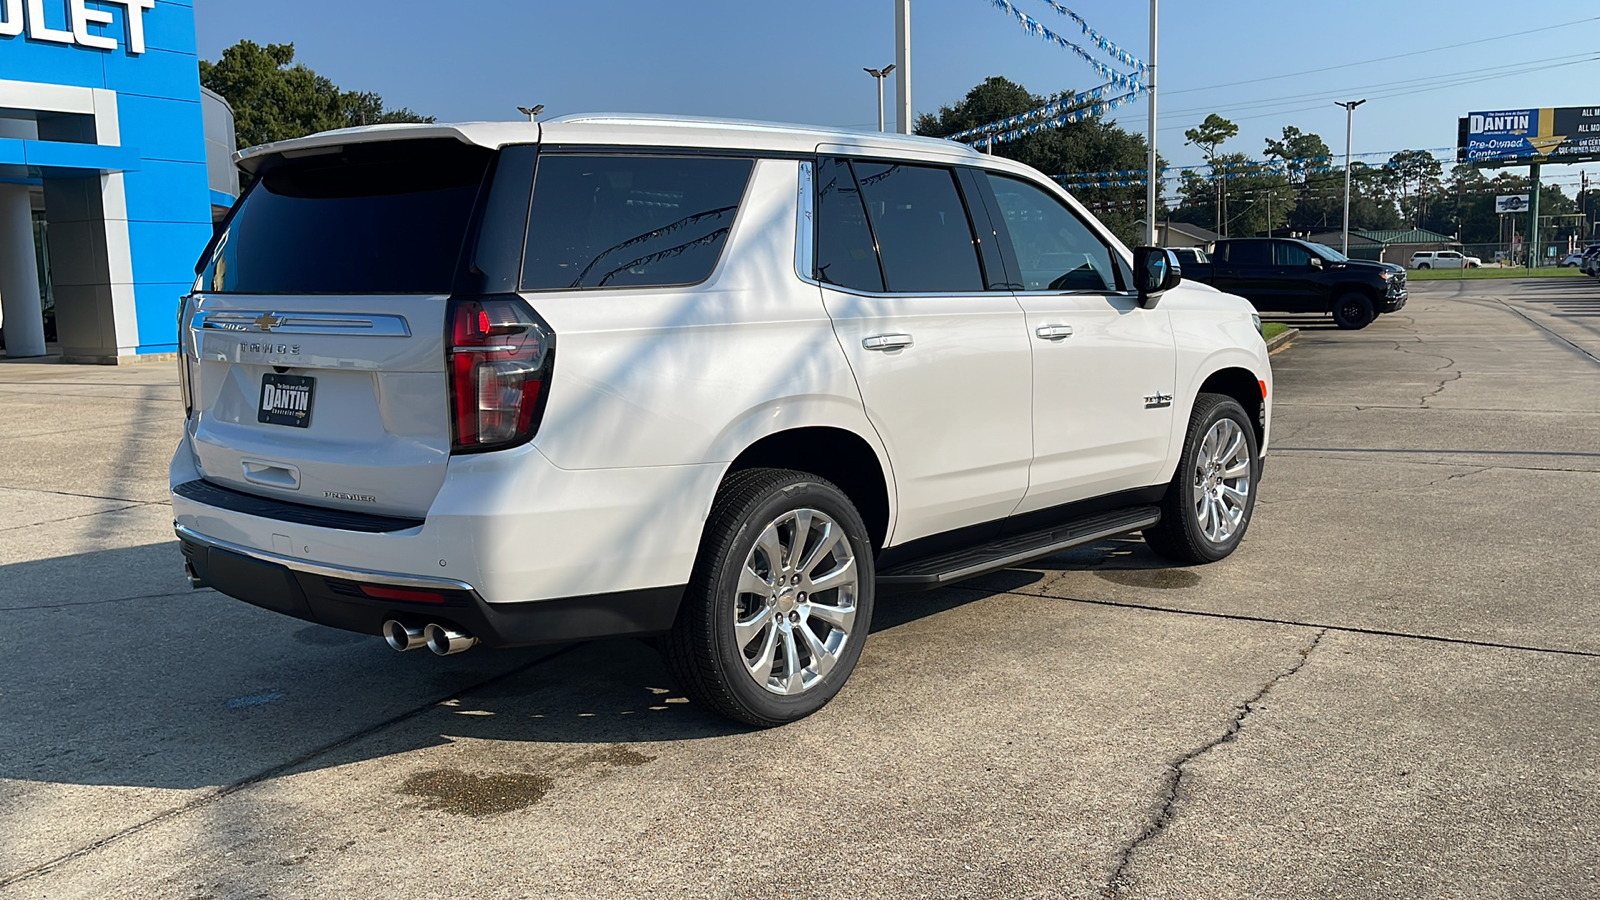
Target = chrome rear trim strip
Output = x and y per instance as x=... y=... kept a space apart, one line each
x=268 y=322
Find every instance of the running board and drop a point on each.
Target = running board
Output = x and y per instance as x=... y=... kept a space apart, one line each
x=934 y=571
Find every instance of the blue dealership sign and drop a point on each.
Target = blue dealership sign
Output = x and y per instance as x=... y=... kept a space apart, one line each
x=1548 y=134
x=107 y=94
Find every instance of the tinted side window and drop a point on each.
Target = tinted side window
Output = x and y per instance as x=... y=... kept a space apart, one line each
x=921 y=225
x=385 y=218
x=629 y=221
x=846 y=255
x=1055 y=249
x=1293 y=255
x=1250 y=253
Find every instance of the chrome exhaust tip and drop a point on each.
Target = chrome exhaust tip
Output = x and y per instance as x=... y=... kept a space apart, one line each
x=403 y=637
x=446 y=641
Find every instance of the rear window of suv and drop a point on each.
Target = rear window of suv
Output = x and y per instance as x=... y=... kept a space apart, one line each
x=375 y=218
x=621 y=221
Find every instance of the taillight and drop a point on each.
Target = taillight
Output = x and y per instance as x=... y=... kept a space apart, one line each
x=500 y=357
x=185 y=388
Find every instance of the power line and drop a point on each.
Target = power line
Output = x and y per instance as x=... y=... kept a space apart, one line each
x=1368 y=62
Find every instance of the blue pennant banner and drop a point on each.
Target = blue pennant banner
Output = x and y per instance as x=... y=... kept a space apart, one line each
x=1077 y=115
x=1053 y=108
x=1098 y=39
x=1033 y=27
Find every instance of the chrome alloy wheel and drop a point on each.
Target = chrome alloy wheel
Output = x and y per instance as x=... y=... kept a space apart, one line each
x=1222 y=471
x=796 y=602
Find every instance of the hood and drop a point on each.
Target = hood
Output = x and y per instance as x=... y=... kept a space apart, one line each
x=1371 y=266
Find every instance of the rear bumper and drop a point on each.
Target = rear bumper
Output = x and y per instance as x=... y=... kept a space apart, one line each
x=335 y=596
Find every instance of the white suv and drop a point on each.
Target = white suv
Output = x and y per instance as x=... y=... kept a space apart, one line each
x=715 y=382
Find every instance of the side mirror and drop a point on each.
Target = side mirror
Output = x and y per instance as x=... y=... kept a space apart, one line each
x=1316 y=262
x=1155 y=271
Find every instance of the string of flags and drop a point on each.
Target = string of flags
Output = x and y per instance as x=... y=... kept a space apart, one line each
x=1053 y=108
x=1229 y=169
x=1099 y=40
x=1037 y=29
x=1077 y=115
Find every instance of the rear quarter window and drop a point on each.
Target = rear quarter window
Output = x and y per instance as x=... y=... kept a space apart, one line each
x=617 y=221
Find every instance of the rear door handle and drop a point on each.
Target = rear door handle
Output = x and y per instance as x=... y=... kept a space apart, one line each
x=887 y=342
x=1054 y=332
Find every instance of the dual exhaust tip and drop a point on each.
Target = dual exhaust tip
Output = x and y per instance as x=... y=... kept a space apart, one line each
x=441 y=639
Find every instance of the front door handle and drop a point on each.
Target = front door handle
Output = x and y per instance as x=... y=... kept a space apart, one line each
x=887 y=342
x=1054 y=332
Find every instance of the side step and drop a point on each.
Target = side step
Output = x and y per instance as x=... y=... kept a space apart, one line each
x=934 y=571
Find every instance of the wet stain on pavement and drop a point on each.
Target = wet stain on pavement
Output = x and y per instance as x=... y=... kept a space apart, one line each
x=454 y=791
x=1150 y=578
x=613 y=756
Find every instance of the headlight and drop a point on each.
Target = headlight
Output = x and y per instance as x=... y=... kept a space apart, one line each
x=1256 y=321
x=1386 y=274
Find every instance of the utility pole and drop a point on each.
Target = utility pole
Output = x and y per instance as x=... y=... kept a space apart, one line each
x=879 y=75
x=902 y=61
x=1533 y=217
x=1151 y=173
x=1349 y=124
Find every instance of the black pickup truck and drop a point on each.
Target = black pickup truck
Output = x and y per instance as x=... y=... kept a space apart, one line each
x=1286 y=275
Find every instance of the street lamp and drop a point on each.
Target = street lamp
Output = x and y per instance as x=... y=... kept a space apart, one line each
x=879 y=75
x=1349 y=121
x=531 y=111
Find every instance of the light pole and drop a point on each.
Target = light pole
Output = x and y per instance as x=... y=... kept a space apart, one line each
x=879 y=75
x=531 y=111
x=1349 y=122
x=1150 y=170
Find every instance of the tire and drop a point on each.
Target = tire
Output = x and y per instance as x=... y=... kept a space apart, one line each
x=746 y=644
x=1353 y=311
x=1201 y=484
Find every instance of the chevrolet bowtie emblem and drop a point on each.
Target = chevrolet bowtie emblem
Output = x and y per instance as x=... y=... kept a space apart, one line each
x=268 y=321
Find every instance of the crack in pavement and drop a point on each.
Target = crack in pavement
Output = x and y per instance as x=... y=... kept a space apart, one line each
x=1117 y=884
x=184 y=593
x=129 y=504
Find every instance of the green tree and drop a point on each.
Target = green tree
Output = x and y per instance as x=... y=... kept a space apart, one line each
x=273 y=100
x=1305 y=160
x=1210 y=135
x=1415 y=177
x=1092 y=145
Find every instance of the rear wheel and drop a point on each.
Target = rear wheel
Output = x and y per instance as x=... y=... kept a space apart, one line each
x=1423 y=266
x=780 y=600
x=1208 y=505
x=1354 y=311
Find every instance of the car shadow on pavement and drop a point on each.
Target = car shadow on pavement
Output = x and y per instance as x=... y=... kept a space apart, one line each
x=128 y=678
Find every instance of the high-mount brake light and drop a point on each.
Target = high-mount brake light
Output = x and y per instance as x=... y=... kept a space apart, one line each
x=500 y=361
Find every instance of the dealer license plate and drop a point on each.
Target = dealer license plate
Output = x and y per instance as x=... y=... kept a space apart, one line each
x=286 y=400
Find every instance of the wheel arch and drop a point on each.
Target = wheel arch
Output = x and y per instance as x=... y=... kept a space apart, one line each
x=1244 y=386
x=839 y=455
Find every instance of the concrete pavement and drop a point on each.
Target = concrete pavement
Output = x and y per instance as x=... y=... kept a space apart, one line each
x=1389 y=691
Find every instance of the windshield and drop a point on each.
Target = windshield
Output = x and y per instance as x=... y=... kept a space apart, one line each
x=1328 y=253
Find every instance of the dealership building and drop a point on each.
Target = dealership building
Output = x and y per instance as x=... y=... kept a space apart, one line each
x=114 y=163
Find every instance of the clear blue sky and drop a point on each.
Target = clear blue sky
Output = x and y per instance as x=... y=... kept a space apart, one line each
x=801 y=62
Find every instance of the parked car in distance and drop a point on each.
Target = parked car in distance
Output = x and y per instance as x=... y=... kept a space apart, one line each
x=1190 y=256
x=1590 y=264
x=796 y=366
x=1572 y=260
x=1443 y=259
x=1291 y=275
